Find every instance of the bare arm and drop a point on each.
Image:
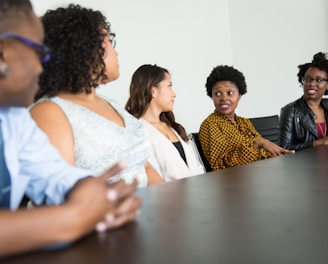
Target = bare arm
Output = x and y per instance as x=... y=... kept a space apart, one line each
x=28 y=229
x=52 y=121
x=153 y=176
x=92 y=203
x=321 y=141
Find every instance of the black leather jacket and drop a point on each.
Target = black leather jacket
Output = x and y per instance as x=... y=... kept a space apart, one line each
x=297 y=125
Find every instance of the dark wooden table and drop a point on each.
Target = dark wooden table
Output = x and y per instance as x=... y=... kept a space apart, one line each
x=271 y=211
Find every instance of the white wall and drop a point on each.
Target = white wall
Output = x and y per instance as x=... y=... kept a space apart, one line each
x=188 y=37
x=264 y=39
x=269 y=40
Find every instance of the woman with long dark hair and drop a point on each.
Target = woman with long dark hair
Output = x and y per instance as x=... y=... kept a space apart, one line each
x=151 y=100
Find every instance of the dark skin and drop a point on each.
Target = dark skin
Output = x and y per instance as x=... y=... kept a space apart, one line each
x=92 y=204
x=313 y=93
x=226 y=96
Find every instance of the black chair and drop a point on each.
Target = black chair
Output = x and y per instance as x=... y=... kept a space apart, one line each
x=200 y=151
x=267 y=126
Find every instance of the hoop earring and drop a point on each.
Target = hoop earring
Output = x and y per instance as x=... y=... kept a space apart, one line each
x=4 y=70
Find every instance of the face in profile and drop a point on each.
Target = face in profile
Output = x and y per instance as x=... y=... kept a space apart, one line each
x=163 y=94
x=315 y=83
x=21 y=83
x=110 y=58
x=225 y=95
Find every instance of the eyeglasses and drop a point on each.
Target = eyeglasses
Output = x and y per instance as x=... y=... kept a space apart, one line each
x=317 y=80
x=42 y=50
x=112 y=39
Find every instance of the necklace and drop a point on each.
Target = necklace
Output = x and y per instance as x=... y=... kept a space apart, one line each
x=324 y=130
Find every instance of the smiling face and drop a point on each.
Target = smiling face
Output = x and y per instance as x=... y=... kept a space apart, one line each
x=163 y=94
x=225 y=95
x=19 y=86
x=312 y=89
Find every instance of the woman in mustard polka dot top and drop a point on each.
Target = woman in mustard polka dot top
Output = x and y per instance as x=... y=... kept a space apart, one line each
x=229 y=140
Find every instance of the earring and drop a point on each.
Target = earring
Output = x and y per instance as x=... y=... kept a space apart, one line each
x=4 y=69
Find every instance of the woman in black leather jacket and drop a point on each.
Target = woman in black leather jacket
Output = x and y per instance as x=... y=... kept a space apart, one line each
x=303 y=123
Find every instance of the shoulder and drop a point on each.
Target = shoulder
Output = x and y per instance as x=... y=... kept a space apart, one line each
x=324 y=102
x=44 y=111
x=15 y=118
x=211 y=118
x=293 y=105
x=243 y=119
x=212 y=124
x=46 y=108
x=245 y=122
x=14 y=113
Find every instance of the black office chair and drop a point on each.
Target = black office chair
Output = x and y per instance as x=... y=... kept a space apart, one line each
x=267 y=126
x=200 y=151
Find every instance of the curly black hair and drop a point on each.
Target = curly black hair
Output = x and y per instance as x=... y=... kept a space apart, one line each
x=75 y=36
x=225 y=73
x=320 y=61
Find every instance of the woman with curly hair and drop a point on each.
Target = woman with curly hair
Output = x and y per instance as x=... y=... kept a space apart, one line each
x=227 y=139
x=89 y=130
x=151 y=99
x=303 y=123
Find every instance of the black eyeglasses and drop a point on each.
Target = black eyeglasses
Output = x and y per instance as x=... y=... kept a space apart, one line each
x=317 y=80
x=42 y=50
x=112 y=39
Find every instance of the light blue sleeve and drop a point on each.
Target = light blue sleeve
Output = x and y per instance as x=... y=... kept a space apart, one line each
x=36 y=167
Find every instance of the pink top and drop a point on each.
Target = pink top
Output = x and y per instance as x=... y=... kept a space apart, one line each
x=322 y=129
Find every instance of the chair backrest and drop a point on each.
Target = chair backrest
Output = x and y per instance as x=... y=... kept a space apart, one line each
x=267 y=126
x=200 y=151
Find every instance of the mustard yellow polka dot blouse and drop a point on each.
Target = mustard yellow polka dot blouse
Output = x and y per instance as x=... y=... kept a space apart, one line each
x=227 y=144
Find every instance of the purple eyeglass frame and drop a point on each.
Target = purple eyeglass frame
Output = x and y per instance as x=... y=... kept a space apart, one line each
x=43 y=51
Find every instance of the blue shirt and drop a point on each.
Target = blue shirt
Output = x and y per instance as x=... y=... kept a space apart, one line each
x=35 y=166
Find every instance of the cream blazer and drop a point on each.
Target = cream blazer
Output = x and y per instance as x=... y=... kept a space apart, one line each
x=166 y=159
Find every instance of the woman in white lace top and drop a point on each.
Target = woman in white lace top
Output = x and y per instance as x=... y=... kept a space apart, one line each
x=89 y=130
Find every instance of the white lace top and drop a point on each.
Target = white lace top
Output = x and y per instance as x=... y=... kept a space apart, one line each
x=99 y=142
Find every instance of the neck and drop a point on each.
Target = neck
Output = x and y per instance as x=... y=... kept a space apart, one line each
x=314 y=104
x=152 y=116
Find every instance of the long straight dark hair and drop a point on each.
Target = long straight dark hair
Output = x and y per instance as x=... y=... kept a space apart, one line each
x=143 y=80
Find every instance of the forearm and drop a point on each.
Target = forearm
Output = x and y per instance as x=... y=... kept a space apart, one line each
x=25 y=230
x=318 y=142
x=153 y=176
x=216 y=156
x=259 y=143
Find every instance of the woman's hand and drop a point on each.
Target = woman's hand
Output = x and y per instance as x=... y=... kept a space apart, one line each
x=321 y=141
x=102 y=205
x=273 y=148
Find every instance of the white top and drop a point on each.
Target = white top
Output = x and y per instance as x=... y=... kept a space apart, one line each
x=99 y=142
x=35 y=166
x=166 y=159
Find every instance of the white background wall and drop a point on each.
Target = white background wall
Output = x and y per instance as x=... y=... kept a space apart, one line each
x=264 y=39
x=269 y=40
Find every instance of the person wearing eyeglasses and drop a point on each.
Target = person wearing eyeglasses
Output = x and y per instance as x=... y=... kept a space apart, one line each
x=303 y=123
x=90 y=130
x=30 y=165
